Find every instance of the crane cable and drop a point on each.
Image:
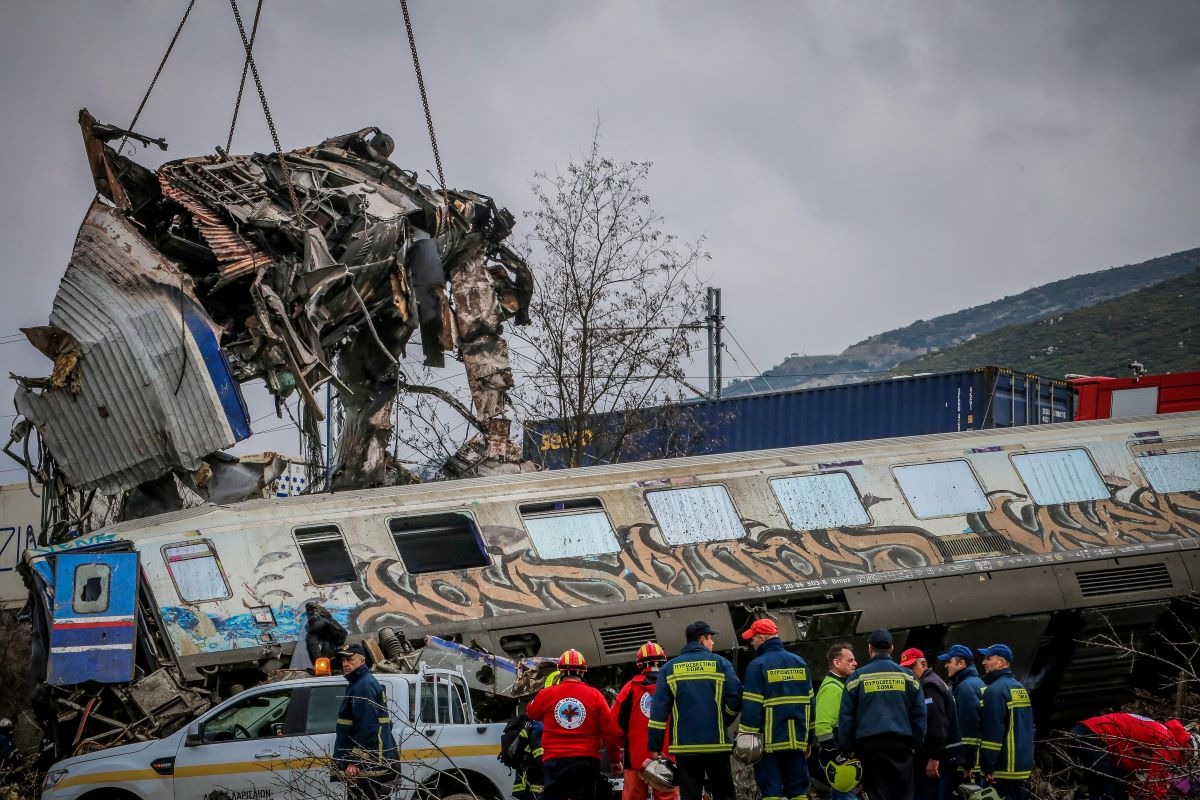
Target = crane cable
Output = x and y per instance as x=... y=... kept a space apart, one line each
x=437 y=158
x=262 y=97
x=142 y=105
x=237 y=105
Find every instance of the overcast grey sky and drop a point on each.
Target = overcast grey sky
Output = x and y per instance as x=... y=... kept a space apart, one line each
x=855 y=166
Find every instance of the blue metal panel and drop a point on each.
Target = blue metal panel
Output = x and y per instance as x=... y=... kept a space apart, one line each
x=94 y=626
x=940 y=403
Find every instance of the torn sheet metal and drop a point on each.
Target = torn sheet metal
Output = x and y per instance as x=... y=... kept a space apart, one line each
x=140 y=385
x=321 y=264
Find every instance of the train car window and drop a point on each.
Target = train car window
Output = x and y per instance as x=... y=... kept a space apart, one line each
x=196 y=572
x=1060 y=476
x=438 y=542
x=941 y=489
x=816 y=502
x=569 y=528
x=696 y=514
x=90 y=595
x=1172 y=472
x=323 y=550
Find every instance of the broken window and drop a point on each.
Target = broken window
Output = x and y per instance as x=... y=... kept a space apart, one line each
x=196 y=571
x=569 y=528
x=91 y=589
x=941 y=489
x=1172 y=472
x=324 y=551
x=816 y=502
x=1060 y=476
x=696 y=514
x=438 y=542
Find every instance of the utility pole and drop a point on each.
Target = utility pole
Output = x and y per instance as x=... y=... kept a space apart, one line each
x=715 y=324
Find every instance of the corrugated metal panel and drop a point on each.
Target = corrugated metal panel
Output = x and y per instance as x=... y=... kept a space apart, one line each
x=922 y=404
x=146 y=403
x=238 y=256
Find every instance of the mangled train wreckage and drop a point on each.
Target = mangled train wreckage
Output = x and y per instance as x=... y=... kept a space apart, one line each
x=299 y=268
x=1046 y=537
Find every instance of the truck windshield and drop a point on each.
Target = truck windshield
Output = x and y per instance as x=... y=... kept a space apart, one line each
x=255 y=717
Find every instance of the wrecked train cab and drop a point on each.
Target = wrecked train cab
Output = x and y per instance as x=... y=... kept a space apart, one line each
x=1046 y=537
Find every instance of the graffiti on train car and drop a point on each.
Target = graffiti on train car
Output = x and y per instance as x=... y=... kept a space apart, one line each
x=767 y=559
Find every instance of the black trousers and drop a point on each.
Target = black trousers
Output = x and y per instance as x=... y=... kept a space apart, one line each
x=571 y=778
x=887 y=767
x=700 y=771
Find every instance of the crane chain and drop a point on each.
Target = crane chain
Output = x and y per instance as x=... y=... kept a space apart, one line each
x=142 y=105
x=437 y=158
x=262 y=97
x=242 y=86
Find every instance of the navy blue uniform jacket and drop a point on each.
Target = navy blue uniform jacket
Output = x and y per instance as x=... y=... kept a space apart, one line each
x=882 y=698
x=364 y=726
x=777 y=698
x=968 y=703
x=701 y=694
x=1006 y=728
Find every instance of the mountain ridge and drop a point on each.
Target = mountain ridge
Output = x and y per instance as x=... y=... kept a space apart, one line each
x=882 y=353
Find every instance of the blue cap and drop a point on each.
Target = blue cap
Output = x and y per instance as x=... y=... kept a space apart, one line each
x=1002 y=650
x=957 y=651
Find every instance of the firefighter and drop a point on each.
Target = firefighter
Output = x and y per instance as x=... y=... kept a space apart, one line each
x=363 y=745
x=1132 y=752
x=706 y=695
x=1006 y=726
x=576 y=726
x=882 y=721
x=632 y=712
x=968 y=704
x=777 y=702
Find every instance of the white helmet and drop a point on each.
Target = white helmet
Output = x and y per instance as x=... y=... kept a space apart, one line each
x=748 y=748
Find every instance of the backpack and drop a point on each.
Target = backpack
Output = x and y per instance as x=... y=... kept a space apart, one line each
x=512 y=745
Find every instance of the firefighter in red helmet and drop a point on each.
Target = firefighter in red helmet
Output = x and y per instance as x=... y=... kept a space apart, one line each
x=632 y=711
x=576 y=726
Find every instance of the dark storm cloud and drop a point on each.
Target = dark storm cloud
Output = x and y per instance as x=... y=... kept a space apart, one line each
x=854 y=166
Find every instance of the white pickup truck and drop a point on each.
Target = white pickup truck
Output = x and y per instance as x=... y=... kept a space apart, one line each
x=271 y=742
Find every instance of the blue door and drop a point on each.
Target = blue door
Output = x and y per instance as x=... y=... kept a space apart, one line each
x=95 y=600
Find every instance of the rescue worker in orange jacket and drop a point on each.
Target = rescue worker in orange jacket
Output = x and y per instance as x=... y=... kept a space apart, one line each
x=632 y=712
x=576 y=726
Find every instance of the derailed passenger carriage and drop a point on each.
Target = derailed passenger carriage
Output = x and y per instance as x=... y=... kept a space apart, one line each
x=1041 y=537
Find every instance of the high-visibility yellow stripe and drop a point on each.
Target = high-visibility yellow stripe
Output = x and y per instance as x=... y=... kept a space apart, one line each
x=117 y=776
x=276 y=765
x=752 y=696
x=1011 y=776
x=990 y=746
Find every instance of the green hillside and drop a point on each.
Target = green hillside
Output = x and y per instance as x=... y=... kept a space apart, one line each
x=1158 y=326
x=872 y=357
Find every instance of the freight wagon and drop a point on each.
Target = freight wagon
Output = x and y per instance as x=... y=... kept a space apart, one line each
x=1105 y=398
x=976 y=399
x=1042 y=536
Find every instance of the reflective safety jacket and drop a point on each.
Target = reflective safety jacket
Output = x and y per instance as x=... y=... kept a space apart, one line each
x=700 y=694
x=828 y=708
x=528 y=782
x=363 y=736
x=968 y=704
x=631 y=710
x=882 y=698
x=1144 y=748
x=1006 y=728
x=777 y=698
x=575 y=721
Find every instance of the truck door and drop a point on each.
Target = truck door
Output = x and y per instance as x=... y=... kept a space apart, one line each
x=92 y=634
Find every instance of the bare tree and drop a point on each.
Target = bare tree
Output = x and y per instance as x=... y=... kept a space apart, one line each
x=614 y=312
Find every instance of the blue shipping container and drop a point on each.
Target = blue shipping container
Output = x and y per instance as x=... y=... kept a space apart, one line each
x=986 y=397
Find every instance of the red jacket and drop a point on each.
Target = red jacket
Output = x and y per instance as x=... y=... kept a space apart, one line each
x=631 y=710
x=575 y=722
x=1140 y=745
